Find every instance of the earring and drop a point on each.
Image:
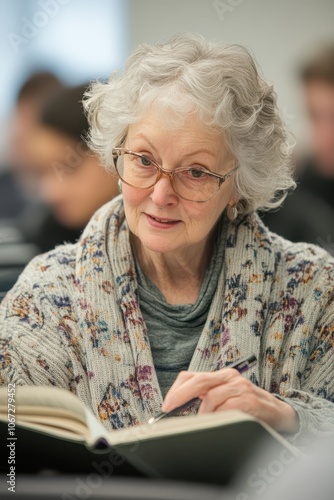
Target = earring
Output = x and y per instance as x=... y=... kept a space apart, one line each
x=119 y=185
x=232 y=212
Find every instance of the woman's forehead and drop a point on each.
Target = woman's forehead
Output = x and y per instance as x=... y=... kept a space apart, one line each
x=156 y=125
x=187 y=137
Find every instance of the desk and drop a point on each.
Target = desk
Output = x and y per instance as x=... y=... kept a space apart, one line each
x=93 y=487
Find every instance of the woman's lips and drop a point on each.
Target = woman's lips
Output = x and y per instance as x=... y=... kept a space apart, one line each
x=161 y=222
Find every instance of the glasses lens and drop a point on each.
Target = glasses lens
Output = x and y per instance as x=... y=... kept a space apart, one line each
x=137 y=170
x=195 y=185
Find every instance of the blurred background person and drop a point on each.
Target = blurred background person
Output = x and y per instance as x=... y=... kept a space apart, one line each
x=15 y=188
x=318 y=78
x=308 y=214
x=69 y=177
x=18 y=194
x=62 y=182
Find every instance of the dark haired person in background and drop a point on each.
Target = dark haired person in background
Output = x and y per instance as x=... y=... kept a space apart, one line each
x=15 y=173
x=69 y=176
x=308 y=214
x=65 y=180
x=20 y=212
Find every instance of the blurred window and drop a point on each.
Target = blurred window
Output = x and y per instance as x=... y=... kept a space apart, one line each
x=78 y=40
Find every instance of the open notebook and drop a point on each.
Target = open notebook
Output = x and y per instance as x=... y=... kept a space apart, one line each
x=208 y=448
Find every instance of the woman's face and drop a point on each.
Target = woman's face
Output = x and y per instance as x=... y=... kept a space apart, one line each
x=161 y=220
x=69 y=178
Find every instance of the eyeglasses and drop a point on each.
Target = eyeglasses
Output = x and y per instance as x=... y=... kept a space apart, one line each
x=190 y=183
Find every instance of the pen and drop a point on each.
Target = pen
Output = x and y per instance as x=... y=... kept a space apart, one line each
x=242 y=365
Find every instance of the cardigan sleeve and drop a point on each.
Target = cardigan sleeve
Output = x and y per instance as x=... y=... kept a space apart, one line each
x=314 y=399
x=32 y=351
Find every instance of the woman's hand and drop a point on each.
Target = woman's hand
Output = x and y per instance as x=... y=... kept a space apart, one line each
x=227 y=389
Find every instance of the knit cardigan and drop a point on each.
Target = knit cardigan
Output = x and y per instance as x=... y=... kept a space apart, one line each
x=73 y=320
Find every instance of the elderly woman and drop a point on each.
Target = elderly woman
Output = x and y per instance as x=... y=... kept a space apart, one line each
x=177 y=277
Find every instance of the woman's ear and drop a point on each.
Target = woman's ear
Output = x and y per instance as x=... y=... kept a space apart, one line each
x=234 y=200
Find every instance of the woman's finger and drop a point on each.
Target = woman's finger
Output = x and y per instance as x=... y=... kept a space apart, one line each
x=182 y=377
x=219 y=395
x=197 y=385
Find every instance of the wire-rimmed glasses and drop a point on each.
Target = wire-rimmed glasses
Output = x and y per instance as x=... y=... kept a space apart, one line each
x=190 y=183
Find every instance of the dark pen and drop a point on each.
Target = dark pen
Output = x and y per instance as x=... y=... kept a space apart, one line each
x=242 y=365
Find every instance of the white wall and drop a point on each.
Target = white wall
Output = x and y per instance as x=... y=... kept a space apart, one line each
x=278 y=32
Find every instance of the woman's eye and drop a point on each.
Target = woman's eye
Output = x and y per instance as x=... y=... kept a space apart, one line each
x=196 y=173
x=145 y=161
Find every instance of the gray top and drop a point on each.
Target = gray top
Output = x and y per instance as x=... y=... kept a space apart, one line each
x=174 y=330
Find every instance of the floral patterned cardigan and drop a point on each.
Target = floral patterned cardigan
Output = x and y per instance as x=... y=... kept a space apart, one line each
x=73 y=320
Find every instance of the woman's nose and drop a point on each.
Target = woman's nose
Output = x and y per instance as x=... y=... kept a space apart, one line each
x=163 y=192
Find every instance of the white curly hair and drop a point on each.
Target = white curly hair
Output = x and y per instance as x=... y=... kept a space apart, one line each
x=223 y=85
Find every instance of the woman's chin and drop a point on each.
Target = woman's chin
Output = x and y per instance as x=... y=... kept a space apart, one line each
x=158 y=244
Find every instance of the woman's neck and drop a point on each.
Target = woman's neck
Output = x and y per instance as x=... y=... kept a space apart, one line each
x=178 y=275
